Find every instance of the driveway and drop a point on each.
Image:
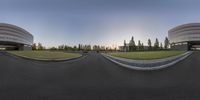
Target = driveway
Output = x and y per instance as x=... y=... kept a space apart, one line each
x=96 y=78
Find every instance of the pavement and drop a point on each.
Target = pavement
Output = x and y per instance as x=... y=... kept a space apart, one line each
x=146 y=65
x=95 y=78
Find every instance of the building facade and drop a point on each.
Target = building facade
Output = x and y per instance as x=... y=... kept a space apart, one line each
x=185 y=37
x=14 y=38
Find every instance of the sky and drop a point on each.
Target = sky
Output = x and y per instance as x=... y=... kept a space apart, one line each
x=102 y=22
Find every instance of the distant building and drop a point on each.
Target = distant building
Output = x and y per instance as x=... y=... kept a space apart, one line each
x=128 y=47
x=185 y=37
x=14 y=38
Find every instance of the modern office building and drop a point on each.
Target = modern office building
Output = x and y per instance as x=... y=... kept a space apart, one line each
x=14 y=38
x=185 y=37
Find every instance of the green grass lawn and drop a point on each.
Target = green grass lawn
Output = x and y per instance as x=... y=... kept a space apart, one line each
x=45 y=55
x=149 y=55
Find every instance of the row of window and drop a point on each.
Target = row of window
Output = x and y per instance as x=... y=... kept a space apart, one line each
x=183 y=43
x=186 y=33
x=14 y=30
x=188 y=28
x=185 y=36
x=8 y=33
x=181 y=39
x=14 y=39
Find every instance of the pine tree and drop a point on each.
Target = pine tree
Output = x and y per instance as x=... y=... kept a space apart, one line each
x=79 y=47
x=40 y=47
x=125 y=43
x=132 y=45
x=142 y=46
x=156 y=44
x=161 y=46
x=149 y=44
x=34 y=46
x=166 y=43
x=139 y=45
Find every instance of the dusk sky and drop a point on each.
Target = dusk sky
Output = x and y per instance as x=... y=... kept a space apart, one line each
x=103 y=22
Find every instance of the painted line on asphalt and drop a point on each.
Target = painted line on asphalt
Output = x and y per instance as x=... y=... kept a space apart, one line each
x=148 y=68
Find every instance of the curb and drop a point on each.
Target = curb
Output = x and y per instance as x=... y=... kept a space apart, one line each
x=43 y=60
x=180 y=58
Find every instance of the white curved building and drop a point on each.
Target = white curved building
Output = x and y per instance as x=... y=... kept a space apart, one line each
x=185 y=37
x=14 y=38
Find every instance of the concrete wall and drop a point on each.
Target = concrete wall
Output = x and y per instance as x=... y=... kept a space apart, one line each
x=179 y=47
x=24 y=47
x=27 y=47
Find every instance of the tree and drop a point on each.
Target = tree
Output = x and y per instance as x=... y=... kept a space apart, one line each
x=166 y=43
x=75 y=48
x=161 y=46
x=40 y=47
x=124 y=42
x=149 y=44
x=142 y=46
x=53 y=48
x=64 y=47
x=87 y=48
x=79 y=47
x=132 y=45
x=96 y=48
x=139 y=45
x=61 y=47
x=103 y=48
x=34 y=46
x=125 y=46
x=156 y=44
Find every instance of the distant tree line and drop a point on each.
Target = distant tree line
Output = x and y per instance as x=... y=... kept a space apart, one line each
x=38 y=46
x=150 y=46
x=131 y=45
x=80 y=47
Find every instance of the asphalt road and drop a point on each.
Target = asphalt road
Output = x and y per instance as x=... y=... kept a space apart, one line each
x=96 y=78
